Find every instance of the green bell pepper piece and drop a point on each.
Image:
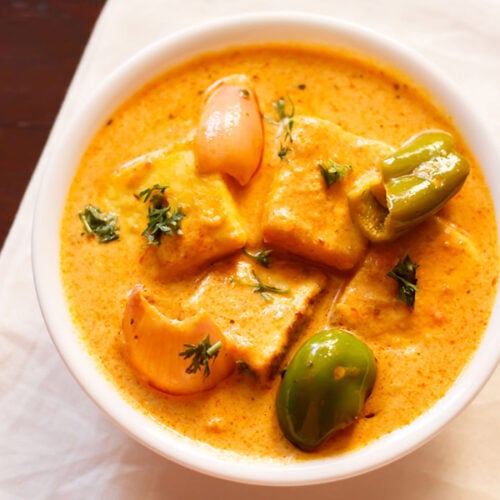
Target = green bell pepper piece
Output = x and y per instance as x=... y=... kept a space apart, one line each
x=418 y=179
x=417 y=150
x=324 y=387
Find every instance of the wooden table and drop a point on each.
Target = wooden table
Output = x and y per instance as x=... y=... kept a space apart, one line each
x=41 y=42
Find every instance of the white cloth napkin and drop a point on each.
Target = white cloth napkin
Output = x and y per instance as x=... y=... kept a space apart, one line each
x=54 y=443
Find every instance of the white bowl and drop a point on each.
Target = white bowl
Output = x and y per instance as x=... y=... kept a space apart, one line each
x=297 y=27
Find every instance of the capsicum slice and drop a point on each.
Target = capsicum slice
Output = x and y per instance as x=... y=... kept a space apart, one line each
x=417 y=180
x=324 y=387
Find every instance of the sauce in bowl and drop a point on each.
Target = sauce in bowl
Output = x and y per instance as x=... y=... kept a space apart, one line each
x=342 y=107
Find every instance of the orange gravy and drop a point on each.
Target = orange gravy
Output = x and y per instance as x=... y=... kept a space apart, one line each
x=417 y=362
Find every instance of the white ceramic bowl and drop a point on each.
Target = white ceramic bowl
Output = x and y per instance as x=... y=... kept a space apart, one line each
x=65 y=158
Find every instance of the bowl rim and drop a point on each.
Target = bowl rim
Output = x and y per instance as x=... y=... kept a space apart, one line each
x=230 y=31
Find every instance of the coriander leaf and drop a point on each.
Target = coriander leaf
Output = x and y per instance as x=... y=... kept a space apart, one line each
x=162 y=219
x=261 y=256
x=104 y=226
x=285 y=124
x=332 y=171
x=283 y=151
x=280 y=107
x=201 y=354
x=155 y=193
x=405 y=275
x=260 y=287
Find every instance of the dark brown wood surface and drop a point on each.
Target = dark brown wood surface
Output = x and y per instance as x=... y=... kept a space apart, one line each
x=41 y=42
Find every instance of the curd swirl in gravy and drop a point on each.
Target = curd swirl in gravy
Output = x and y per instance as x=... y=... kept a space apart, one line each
x=342 y=108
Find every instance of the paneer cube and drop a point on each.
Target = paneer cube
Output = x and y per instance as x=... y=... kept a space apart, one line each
x=303 y=215
x=236 y=291
x=211 y=227
x=369 y=305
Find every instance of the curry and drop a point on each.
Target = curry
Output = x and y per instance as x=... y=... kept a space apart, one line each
x=265 y=216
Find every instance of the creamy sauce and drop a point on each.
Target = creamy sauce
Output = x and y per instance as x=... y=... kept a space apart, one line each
x=419 y=354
